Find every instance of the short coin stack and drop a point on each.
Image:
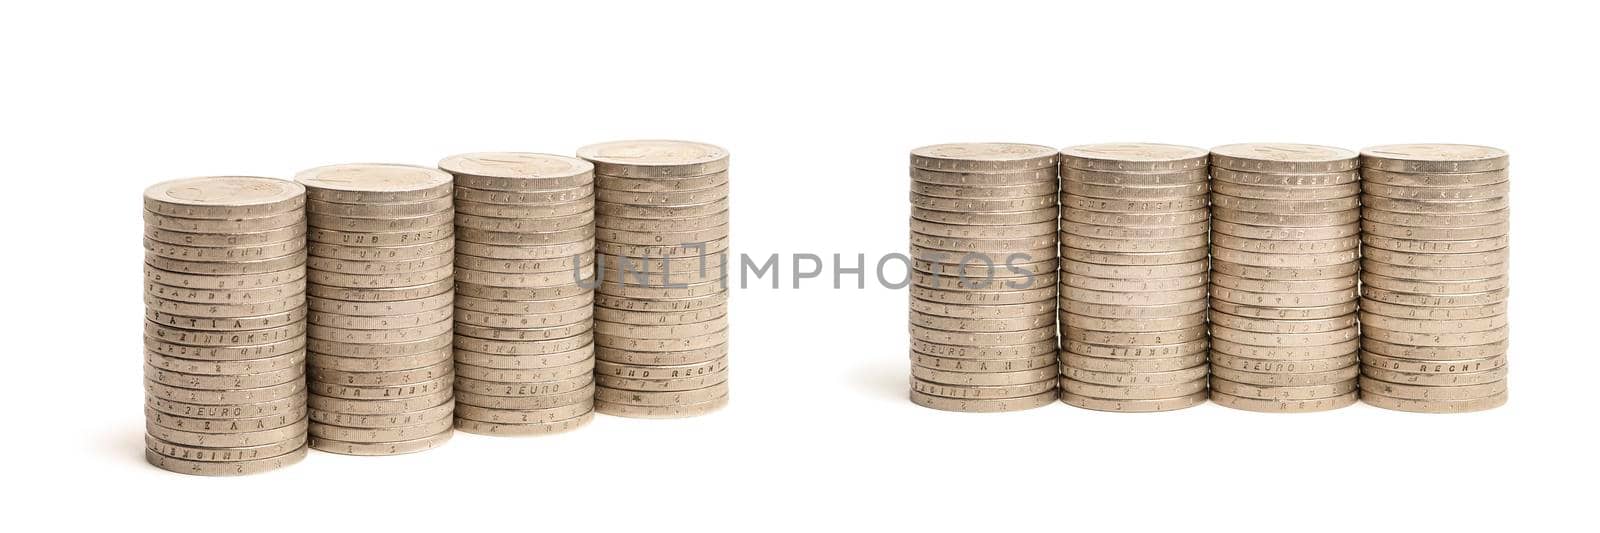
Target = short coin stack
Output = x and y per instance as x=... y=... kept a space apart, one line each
x=1285 y=260
x=524 y=294
x=225 y=325
x=1133 y=288
x=661 y=312
x=380 y=296
x=1435 y=231
x=983 y=250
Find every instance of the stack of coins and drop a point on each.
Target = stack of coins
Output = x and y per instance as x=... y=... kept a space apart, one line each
x=1284 y=265
x=1435 y=230
x=983 y=250
x=661 y=313
x=524 y=292
x=225 y=325
x=1133 y=288
x=380 y=295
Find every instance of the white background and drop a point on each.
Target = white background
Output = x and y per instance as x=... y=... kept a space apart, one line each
x=819 y=103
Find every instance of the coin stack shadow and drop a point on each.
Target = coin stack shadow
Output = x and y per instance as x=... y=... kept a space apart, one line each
x=983 y=291
x=225 y=325
x=1284 y=265
x=1436 y=241
x=380 y=283
x=661 y=312
x=1133 y=262
x=524 y=261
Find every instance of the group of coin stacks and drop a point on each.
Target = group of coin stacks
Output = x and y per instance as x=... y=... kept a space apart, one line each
x=524 y=248
x=983 y=251
x=1435 y=236
x=1312 y=277
x=1285 y=234
x=380 y=291
x=225 y=267
x=661 y=311
x=1133 y=263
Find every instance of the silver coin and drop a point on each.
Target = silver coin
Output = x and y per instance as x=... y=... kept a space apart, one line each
x=385 y=448
x=1283 y=158
x=224 y=197
x=1134 y=179
x=517 y=171
x=984 y=179
x=649 y=185
x=534 y=428
x=1435 y=179
x=230 y=468
x=1133 y=157
x=374 y=183
x=537 y=360
x=983 y=157
x=527 y=197
x=655 y=158
x=1433 y=158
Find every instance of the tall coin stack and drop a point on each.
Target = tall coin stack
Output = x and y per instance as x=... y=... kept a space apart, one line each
x=1284 y=265
x=380 y=294
x=524 y=293
x=1436 y=236
x=1133 y=263
x=983 y=250
x=661 y=312
x=225 y=325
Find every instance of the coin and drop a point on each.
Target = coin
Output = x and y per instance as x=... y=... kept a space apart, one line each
x=1435 y=379
x=523 y=429
x=1435 y=179
x=655 y=158
x=983 y=405
x=660 y=411
x=1129 y=366
x=1434 y=406
x=224 y=454
x=1269 y=405
x=983 y=392
x=517 y=198
x=983 y=157
x=231 y=468
x=379 y=435
x=374 y=183
x=237 y=439
x=1431 y=392
x=704 y=181
x=1275 y=392
x=1133 y=157
x=1134 y=406
x=224 y=197
x=383 y=448
x=1433 y=158
x=578 y=369
x=545 y=360
x=517 y=171
x=1134 y=392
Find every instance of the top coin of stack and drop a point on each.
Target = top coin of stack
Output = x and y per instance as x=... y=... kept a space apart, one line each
x=1284 y=267
x=380 y=276
x=524 y=296
x=1133 y=268
x=1435 y=279
x=661 y=313
x=225 y=325
x=983 y=244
